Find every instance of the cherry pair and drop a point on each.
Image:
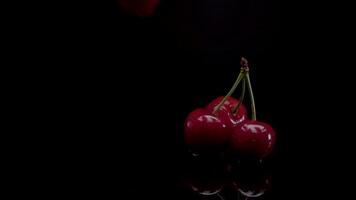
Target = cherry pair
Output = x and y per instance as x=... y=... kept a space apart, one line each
x=224 y=122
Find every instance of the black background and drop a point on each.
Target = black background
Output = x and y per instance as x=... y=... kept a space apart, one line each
x=147 y=74
x=123 y=85
x=136 y=79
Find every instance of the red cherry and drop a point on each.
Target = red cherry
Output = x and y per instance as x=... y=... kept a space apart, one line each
x=225 y=112
x=253 y=139
x=139 y=7
x=203 y=130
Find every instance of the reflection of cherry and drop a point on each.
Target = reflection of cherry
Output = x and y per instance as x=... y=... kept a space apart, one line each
x=204 y=188
x=205 y=173
x=250 y=178
x=254 y=190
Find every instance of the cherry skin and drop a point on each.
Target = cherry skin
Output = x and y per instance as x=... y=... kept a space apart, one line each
x=253 y=139
x=203 y=130
x=225 y=112
x=139 y=7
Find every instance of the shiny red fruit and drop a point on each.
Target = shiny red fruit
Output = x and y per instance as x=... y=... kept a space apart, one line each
x=139 y=7
x=253 y=139
x=203 y=130
x=225 y=112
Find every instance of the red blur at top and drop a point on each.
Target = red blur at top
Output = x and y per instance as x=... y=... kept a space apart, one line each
x=143 y=8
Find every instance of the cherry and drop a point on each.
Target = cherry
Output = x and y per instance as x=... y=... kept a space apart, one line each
x=211 y=127
x=139 y=7
x=224 y=120
x=226 y=110
x=203 y=130
x=252 y=138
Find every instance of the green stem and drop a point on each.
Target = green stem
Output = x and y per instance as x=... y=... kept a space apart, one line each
x=233 y=88
x=242 y=96
x=253 y=106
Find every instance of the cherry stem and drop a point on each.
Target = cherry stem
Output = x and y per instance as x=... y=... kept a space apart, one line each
x=244 y=64
x=253 y=106
x=242 y=96
x=233 y=88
